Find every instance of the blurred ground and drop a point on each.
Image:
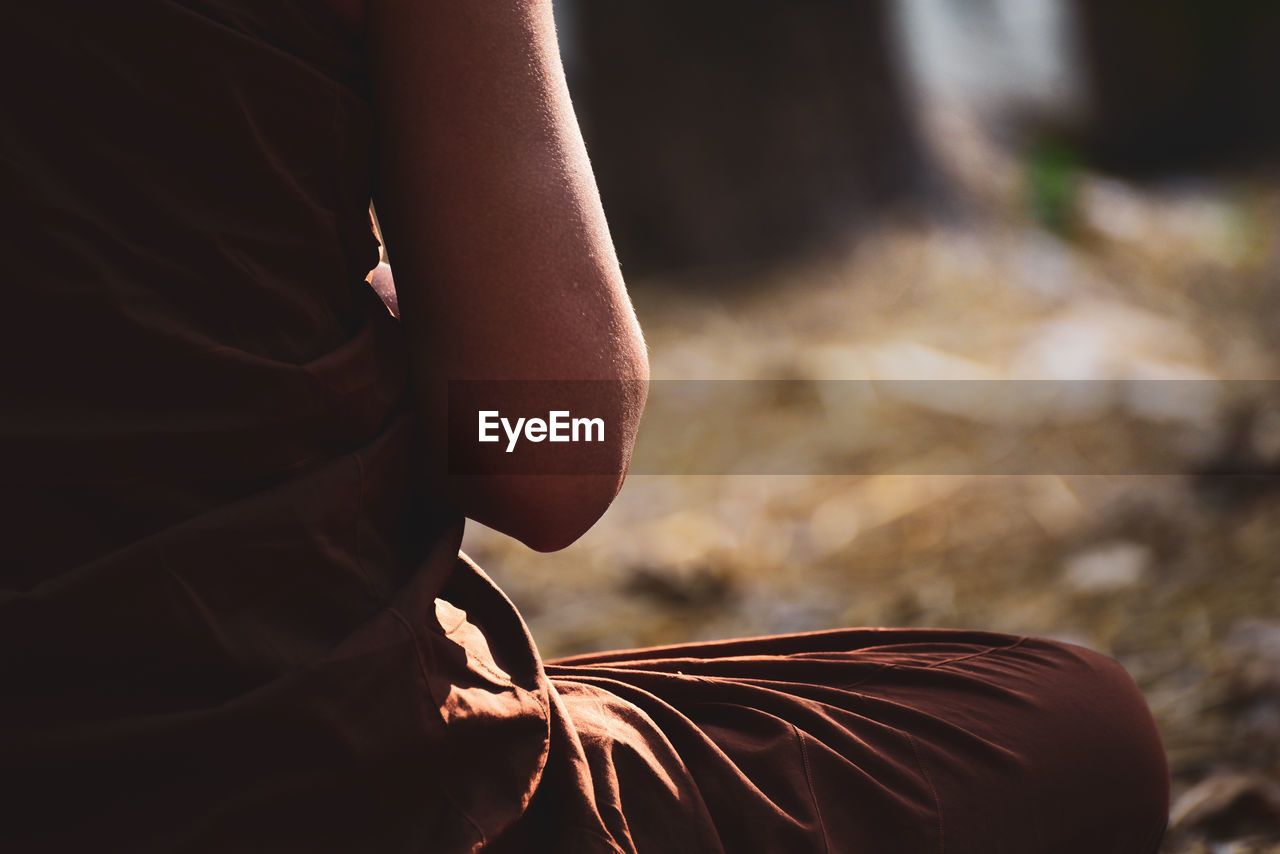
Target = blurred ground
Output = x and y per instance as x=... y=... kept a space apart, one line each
x=1176 y=576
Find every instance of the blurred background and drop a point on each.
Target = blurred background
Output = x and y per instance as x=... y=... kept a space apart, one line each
x=947 y=190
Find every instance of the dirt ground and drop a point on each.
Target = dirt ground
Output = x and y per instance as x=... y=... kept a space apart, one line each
x=1175 y=574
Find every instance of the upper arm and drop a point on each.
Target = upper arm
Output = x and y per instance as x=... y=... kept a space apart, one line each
x=504 y=268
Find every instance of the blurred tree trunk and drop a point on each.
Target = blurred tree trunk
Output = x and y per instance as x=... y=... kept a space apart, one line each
x=1180 y=83
x=739 y=131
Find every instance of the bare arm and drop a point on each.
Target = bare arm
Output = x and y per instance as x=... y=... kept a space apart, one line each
x=504 y=268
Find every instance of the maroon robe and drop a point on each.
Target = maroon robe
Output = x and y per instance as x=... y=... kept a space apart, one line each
x=231 y=619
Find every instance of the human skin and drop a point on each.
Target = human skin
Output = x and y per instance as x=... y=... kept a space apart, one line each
x=504 y=268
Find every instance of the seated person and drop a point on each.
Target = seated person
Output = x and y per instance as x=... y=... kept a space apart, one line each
x=233 y=613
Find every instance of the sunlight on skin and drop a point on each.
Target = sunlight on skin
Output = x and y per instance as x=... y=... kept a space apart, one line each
x=505 y=269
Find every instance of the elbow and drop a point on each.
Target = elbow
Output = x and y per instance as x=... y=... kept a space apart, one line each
x=545 y=494
x=559 y=509
x=545 y=512
x=541 y=458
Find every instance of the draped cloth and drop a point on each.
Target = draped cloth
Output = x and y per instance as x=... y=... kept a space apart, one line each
x=233 y=618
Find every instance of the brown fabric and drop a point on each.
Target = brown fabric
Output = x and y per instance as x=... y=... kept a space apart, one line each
x=875 y=740
x=231 y=619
